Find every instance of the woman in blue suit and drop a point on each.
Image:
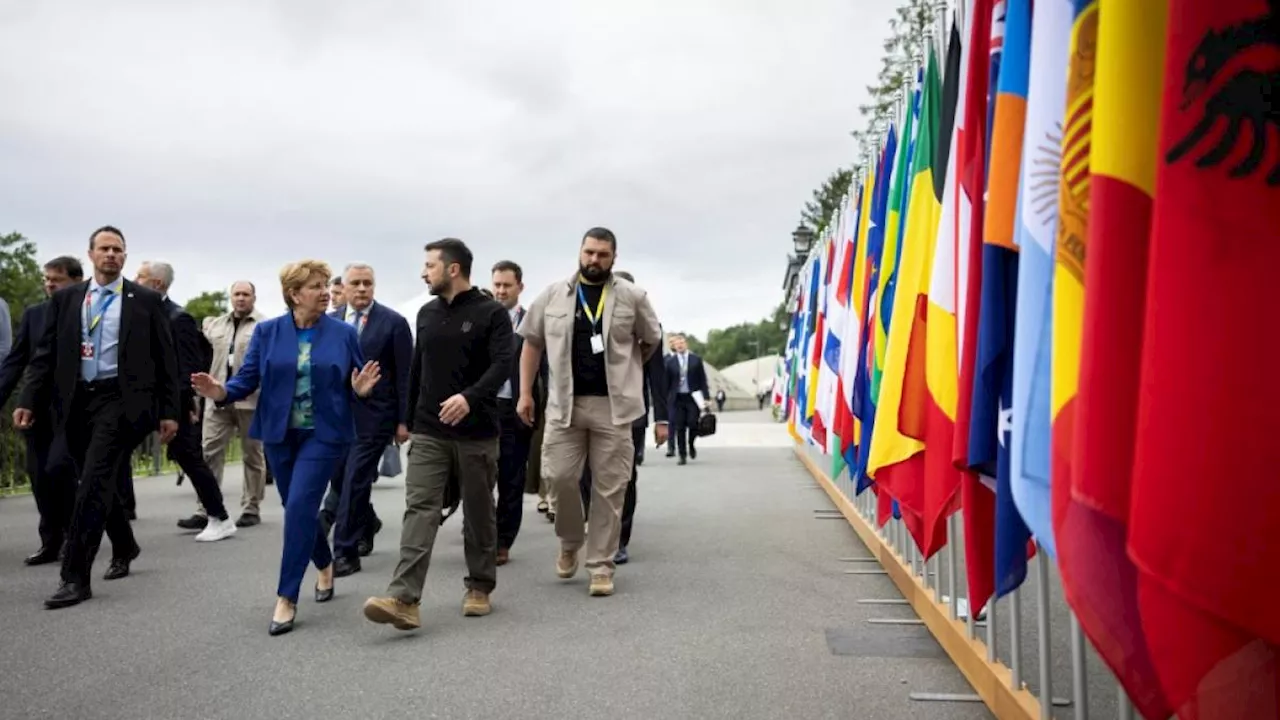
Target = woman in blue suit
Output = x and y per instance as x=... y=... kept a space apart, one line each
x=307 y=366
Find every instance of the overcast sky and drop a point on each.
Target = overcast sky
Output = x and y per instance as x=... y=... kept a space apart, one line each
x=231 y=136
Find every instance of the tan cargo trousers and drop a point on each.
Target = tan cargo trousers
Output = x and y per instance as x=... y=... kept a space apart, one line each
x=221 y=425
x=592 y=438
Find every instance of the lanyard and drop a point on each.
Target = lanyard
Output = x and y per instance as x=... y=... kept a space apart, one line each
x=582 y=297
x=96 y=317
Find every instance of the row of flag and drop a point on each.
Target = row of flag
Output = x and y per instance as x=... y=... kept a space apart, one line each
x=1045 y=305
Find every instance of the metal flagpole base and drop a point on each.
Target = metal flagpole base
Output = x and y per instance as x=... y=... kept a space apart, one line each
x=944 y=697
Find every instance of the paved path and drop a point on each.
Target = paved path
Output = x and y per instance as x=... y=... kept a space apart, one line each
x=734 y=606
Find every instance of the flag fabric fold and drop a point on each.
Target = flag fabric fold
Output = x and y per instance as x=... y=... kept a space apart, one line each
x=976 y=497
x=1037 y=225
x=992 y=420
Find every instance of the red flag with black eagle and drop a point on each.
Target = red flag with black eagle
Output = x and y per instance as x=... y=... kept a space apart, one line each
x=1205 y=513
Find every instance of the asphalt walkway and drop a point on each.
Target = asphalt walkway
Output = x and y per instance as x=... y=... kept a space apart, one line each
x=735 y=605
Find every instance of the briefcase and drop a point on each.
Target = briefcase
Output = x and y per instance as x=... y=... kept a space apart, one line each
x=390 y=465
x=706 y=424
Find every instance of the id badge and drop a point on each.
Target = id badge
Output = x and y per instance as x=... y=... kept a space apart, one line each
x=597 y=344
x=86 y=350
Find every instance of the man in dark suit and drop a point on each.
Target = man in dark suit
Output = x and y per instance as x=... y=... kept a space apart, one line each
x=686 y=375
x=107 y=369
x=515 y=436
x=194 y=356
x=51 y=483
x=380 y=420
x=655 y=393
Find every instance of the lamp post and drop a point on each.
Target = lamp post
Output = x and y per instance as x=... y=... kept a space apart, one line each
x=802 y=238
x=802 y=241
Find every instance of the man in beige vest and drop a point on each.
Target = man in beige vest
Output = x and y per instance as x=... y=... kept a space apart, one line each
x=597 y=330
x=229 y=335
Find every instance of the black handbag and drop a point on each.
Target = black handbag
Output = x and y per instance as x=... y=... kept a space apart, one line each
x=706 y=424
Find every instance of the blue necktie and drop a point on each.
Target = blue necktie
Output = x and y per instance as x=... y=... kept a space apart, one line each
x=95 y=333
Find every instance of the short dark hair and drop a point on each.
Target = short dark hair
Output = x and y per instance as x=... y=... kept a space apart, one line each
x=106 y=229
x=66 y=265
x=336 y=281
x=508 y=266
x=602 y=234
x=625 y=275
x=453 y=250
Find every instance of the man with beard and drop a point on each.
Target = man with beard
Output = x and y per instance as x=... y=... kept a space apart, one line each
x=52 y=482
x=597 y=331
x=655 y=393
x=462 y=357
x=107 y=366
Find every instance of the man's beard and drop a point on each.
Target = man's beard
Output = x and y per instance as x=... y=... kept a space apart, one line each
x=438 y=288
x=594 y=274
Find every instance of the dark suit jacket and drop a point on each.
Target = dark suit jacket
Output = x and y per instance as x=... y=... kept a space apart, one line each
x=187 y=343
x=386 y=338
x=24 y=348
x=540 y=382
x=655 y=391
x=148 y=368
x=271 y=366
x=697 y=379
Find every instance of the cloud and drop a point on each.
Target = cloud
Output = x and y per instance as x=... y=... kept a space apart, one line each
x=229 y=138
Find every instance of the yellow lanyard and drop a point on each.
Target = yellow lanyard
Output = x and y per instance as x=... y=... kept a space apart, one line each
x=95 y=317
x=594 y=319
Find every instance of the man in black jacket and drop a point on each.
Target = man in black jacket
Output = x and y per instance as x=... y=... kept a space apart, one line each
x=462 y=356
x=194 y=355
x=106 y=367
x=52 y=483
x=655 y=390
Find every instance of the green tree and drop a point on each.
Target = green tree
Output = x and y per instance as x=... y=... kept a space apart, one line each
x=207 y=304
x=21 y=285
x=903 y=51
x=21 y=279
x=826 y=200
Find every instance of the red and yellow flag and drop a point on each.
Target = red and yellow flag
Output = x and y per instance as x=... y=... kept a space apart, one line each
x=1099 y=579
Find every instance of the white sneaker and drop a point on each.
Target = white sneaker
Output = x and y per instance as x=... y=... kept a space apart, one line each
x=217 y=530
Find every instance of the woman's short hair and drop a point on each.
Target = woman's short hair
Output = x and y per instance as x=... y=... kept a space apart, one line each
x=295 y=275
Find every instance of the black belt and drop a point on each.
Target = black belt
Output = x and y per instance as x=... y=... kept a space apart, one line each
x=97 y=386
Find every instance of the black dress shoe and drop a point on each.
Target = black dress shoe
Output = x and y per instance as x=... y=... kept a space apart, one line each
x=364 y=547
x=69 y=593
x=324 y=595
x=682 y=461
x=119 y=567
x=280 y=628
x=344 y=566
x=671 y=453
x=43 y=556
x=195 y=522
x=247 y=520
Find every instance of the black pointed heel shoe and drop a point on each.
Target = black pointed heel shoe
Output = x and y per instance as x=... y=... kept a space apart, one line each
x=279 y=628
x=324 y=595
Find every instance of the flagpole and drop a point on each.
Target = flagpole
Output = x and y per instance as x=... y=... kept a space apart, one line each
x=1043 y=632
x=1079 y=680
